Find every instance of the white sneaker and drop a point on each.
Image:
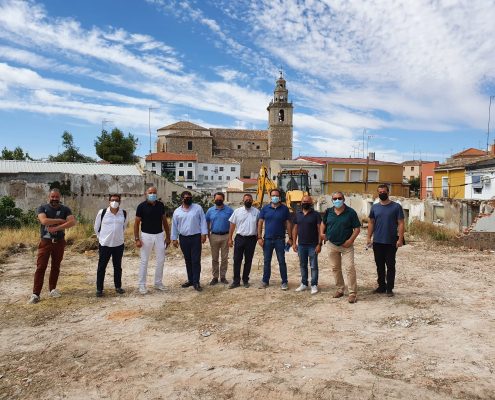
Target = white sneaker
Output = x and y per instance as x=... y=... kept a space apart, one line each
x=301 y=288
x=284 y=286
x=160 y=287
x=55 y=293
x=34 y=299
x=142 y=290
x=314 y=289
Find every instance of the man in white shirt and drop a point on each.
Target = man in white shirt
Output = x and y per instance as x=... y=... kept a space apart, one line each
x=244 y=220
x=109 y=227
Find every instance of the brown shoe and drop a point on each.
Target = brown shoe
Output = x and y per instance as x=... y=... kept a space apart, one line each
x=338 y=294
x=352 y=298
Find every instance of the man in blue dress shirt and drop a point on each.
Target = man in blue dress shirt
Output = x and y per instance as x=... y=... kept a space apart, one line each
x=189 y=229
x=217 y=219
x=276 y=218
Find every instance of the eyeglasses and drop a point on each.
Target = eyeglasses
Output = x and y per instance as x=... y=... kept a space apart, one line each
x=337 y=198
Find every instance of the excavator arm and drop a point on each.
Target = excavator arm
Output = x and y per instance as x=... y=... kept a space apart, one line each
x=265 y=185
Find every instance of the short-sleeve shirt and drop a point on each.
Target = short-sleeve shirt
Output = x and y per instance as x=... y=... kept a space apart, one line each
x=307 y=227
x=386 y=219
x=339 y=228
x=61 y=212
x=219 y=219
x=151 y=216
x=245 y=221
x=275 y=218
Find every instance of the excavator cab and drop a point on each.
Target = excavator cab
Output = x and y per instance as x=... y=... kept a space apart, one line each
x=294 y=184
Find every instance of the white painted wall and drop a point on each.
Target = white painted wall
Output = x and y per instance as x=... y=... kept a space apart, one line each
x=488 y=186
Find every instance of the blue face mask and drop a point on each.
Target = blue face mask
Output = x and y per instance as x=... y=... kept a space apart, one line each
x=338 y=203
x=151 y=197
x=275 y=199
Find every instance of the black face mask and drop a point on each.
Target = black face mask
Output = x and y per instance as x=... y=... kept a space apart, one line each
x=54 y=203
x=248 y=204
x=187 y=201
x=383 y=196
x=219 y=203
x=305 y=206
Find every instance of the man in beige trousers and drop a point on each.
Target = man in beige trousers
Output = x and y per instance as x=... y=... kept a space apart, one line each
x=217 y=219
x=340 y=227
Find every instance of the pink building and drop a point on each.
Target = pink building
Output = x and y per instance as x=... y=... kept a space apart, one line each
x=426 y=175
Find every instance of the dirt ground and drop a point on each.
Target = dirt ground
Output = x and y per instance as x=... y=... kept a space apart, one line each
x=434 y=340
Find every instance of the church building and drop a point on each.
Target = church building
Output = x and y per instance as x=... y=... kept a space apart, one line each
x=250 y=148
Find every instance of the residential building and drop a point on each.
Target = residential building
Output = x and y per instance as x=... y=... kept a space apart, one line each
x=248 y=147
x=215 y=175
x=316 y=171
x=426 y=179
x=480 y=180
x=411 y=169
x=449 y=179
x=360 y=175
x=181 y=168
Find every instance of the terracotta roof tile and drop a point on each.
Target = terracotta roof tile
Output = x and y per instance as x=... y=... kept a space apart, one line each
x=166 y=156
x=471 y=152
x=183 y=125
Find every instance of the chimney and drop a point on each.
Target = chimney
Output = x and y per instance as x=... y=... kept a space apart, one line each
x=371 y=155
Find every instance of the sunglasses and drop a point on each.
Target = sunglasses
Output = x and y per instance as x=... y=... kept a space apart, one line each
x=337 y=198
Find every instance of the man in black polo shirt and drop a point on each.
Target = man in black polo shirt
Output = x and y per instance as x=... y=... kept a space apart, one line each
x=306 y=237
x=341 y=226
x=150 y=216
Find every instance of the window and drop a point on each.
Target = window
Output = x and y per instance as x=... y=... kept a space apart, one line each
x=315 y=177
x=412 y=168
x=219 y=177
x=206 y=177
x=181 y=173
x=181 y=164
x=232 y=169
x=153 y=165
x=355 y=175
x=189 y=175
x=189 y=164
x=189 y=145
x=257 y=147
x=212 y=178
x=338 y=175
x=429 y=183
x=205 y=168
x=221 y=168
x=189 y=187
x=227 y=177
x=445 y=186
x=373 y=175
x=477 y=184
x=238 y=146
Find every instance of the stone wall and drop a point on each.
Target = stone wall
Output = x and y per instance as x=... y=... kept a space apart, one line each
x=202 y=146
x=480 y=240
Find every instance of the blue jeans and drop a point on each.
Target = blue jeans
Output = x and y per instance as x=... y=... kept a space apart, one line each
x=306 y=251
x=278 y=245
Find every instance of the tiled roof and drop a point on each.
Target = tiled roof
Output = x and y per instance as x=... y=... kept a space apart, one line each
x=183 y=125
x=249 y=180
x=471 y=152
x=338 y=160
x=16 y=167
x=461 y=163
x=166 y=156
x=412 y=162
x=239 y=134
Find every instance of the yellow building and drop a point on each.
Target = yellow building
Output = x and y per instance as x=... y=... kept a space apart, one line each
x=449 y=179
x=360 y=175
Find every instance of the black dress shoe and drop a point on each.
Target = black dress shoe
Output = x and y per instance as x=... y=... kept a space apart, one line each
x=197 y=287
x=214 y=281
x=246 y=284
x=120 y=290
x=234 y=285
x=390 y=293
x=99 y=293
x=379 y=290
x=225 y=281
x=186 y=284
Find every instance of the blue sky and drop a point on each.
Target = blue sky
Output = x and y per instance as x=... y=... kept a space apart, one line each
x=415 y=77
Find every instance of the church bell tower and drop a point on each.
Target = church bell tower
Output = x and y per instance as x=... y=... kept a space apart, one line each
x=280 y=122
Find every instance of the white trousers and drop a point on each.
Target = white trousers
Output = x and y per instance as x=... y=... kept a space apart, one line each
x=150 y=240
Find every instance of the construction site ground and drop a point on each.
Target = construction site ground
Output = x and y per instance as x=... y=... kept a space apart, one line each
x=434 y=340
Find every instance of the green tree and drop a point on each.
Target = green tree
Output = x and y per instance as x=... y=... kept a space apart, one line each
x=71 y=152
x=414 y=186
x=16 y=154
x=116 y=148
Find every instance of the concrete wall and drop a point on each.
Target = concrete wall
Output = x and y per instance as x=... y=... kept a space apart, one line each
x=89 y=193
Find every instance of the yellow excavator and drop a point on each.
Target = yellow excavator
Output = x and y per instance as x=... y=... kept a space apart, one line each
x=293 y=186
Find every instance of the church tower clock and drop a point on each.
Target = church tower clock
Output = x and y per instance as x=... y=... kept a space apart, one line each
x=280 y=122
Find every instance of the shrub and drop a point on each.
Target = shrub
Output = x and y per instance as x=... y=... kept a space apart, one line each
x=429 y=231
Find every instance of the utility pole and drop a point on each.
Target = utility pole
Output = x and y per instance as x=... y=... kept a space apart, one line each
x=149 y=122
x=488 y=130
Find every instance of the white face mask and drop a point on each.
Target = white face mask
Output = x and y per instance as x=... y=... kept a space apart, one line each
x=114 y=204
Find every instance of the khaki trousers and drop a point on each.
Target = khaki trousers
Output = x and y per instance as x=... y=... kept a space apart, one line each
x=219 y=246
x=341 y=257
